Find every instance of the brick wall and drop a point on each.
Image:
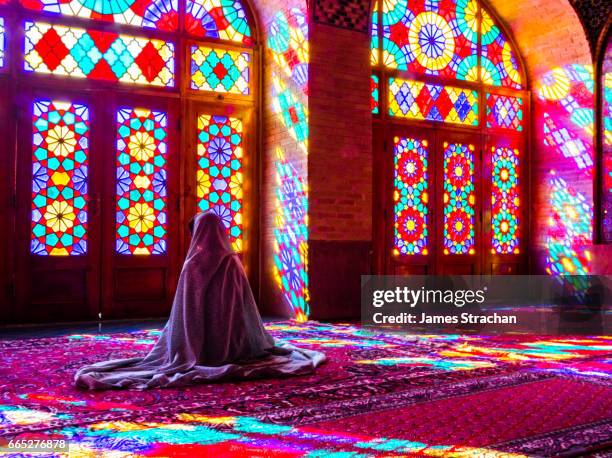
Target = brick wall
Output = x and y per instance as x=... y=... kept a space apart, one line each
x=340 y=156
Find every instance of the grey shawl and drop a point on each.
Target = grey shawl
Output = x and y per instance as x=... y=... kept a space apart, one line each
x=214 y=331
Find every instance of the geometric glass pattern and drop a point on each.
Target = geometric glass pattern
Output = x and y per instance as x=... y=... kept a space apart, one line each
x=2 y=42
x=374 y=37
x=374 y=101
x=288 y=41
x=418 y=100
x=499 y=65
x=505 y=111
x=60 y=149
x=219 y=70
x=606 y=190
x=158 y=14
x=219 y=172
x=431 y=37
x=222 y=19
x=291 y=237
x=98 y=55
x=459 y=198
x=141 y=181
x=504 y=200
x=410 y=196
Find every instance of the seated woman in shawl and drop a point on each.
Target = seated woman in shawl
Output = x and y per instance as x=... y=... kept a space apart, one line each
x=214 y=331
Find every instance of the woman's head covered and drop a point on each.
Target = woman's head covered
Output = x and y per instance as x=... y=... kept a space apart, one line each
x=208 y=232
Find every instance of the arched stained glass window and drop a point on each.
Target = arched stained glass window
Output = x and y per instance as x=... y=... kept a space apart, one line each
x=223 y=19
x=498 y=62
x=449 y=63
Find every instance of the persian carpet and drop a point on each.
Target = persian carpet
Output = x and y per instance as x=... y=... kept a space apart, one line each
x=378 y=395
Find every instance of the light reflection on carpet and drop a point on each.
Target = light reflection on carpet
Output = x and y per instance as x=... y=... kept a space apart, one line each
x=187 y=435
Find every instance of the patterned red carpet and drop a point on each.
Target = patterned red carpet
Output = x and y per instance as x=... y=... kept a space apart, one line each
x=379 y=395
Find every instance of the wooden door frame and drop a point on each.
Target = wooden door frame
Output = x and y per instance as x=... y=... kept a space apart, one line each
x=250 y=165
x=112 y=304
x=26 y=263
x=383 y=208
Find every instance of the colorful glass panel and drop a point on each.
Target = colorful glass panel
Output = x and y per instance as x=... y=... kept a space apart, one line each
x=223 y=19
x=374 y=36
x=410 y=195
x=374 y=97
x=60 y=150
x=141 y=218
x=459 y=198
x=431 y=37
x=81 y=53
x=505 y=200
x=418 y=100
x=499 y=64
x=606 y=193
x=2 y=42
x=505 y=111
x=288 y=41
x=219 y=174
x=158 y=14
x=220 y=70
x=291 y=237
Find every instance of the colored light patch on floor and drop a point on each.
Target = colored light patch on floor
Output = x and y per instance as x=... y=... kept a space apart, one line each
x=238 y=436
x=15 y=415
x=366 y=368
x=435 y=363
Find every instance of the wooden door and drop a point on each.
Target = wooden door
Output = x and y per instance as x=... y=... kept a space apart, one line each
x=221 y=175
x=459 y=205
x=411 y=239
x=433 y=202
x=140 y=206
x=58 y=197
x=505 y=178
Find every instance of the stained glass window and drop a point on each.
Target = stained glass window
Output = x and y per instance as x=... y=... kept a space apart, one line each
x=374 y=97
x=459 y=198
x=505 y=200
x=499 y=64
x=159 y=14
x=2 y=42
x=606 y=193
x=431 y=37
x=410 y=196
x=219 y=174
x=60 y=150
x=141 y=181
x=220 y=70
x=418 y=100
x=374 y=36
x=223 y=19
x=81 y=53
x=505 y=111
